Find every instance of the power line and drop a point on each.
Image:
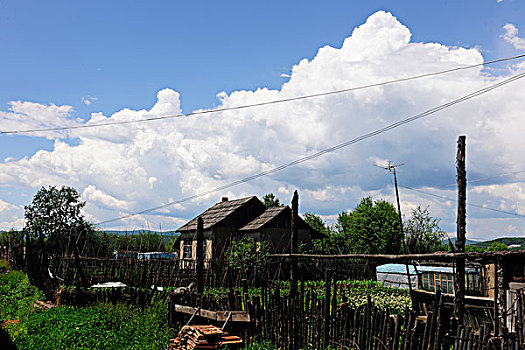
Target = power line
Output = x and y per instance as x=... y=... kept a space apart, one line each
x=486 y=178
x=149 y=119
x=469 y=204
x=328 y=150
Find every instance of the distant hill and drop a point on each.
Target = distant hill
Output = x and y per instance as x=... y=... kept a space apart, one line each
x=139 y=232
x=467 y=241
x=517 y=242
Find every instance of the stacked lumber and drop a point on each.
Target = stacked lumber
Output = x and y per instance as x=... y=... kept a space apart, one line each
x=203 y=337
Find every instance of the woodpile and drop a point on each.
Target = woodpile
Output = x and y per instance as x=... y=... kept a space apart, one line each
x=204 y=337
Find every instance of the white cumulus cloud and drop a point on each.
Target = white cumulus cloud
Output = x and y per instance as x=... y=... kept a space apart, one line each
x=23 y=115
x=125 y=168
x=511 y=36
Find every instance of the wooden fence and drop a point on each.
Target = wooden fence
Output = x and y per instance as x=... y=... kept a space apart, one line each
x=305 y=321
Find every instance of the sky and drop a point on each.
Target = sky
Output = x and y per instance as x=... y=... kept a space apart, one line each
x=77 y=63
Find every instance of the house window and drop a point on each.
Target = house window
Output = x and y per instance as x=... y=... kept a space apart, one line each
x=186 y=254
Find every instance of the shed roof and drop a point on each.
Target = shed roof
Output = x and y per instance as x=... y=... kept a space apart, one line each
x=401 y=269
x=264 y=218
x=217 y=213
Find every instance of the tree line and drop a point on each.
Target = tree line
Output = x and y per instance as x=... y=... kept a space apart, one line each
x=54 y=223
x=373 y=227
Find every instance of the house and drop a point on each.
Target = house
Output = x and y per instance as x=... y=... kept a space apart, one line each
x=230 y=220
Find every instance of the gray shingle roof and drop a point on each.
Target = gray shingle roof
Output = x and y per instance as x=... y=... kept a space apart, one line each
x=216 y=214
x=264 y=218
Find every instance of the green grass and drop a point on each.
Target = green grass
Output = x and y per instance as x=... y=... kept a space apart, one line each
x=17 y=296
x=106 y=326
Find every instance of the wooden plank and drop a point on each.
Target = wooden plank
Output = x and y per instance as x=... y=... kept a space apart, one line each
x=236 y=316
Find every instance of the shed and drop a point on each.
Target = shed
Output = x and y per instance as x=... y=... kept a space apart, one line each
x=274 y=226
x=221 y=225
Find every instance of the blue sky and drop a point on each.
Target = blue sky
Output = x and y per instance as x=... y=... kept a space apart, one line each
x=101 y=56
x=122 y=52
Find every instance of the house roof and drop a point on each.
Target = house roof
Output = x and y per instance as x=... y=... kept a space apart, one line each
x=264 y=218
x=216 y=214
x=270 y=214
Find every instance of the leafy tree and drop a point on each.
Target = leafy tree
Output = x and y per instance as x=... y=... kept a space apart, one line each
x=317 y=223
x=372 y=228
x=270 y=200
x=423 y=232
x=497 y=246
x=54 y=218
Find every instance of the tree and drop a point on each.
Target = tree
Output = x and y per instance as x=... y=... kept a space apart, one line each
x=423 y=232
x=317 y=223
x=497 y=246
x=371 y=228
x=270 y=200
x=54 y=218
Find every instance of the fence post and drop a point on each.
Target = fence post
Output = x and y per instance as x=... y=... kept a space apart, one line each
x=200 y=256
x=459 y=281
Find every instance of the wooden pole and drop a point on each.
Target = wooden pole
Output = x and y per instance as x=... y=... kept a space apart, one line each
x=294 y=239
x=200 y=256
x=459 y=281
x=294 y=243
x=405 y=247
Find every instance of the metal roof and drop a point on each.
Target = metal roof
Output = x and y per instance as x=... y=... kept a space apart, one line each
x=401 y=269
x=264 y=218
x=216 y=214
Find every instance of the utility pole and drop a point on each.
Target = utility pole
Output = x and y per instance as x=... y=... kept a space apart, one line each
x=392 y=169
x=459 y=281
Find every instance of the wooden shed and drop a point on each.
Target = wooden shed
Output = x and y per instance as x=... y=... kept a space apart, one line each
x=230 y=220
x=221 y=225
x=274 y=226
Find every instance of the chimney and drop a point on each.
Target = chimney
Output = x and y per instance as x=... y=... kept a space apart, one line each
x=224 y=199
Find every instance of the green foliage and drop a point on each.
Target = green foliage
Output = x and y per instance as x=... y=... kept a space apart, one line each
x=472 y=248
x=423 y=232
x=247 y=255
x=497 y=246
x=103 y=327
x=270 y=200
x=103 y=244
x=172 y=245
x=317 y=223
x=55 y=216
x=17 y=296
x=371 y=228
